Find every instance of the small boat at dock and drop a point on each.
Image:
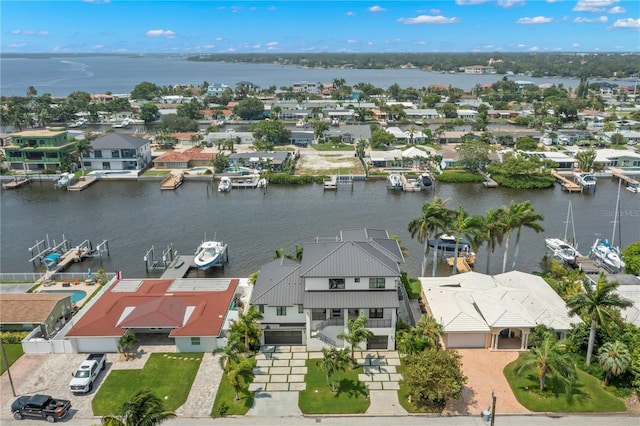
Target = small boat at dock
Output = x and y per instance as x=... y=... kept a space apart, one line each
x=209 y=253
x=585 y=180
x=65 y=180
x=448 y=243
x=426 y=179
x=225 y=184
x=394 y=181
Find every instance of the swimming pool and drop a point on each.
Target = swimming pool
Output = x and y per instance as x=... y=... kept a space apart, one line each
x=76 y=295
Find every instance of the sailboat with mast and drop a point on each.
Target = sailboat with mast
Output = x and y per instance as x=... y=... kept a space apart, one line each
x=562 y=249
x=606 y=252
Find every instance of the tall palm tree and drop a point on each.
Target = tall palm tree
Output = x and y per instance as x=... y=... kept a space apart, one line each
x=525 y=217
x=239 y=374
x=327 y=365
x=356 y=334
x=433 y=221
x=126 y=343
x=614 y=358
x=247 y=326
x=230 y=354
x=461 y=224
x=548 y=358
x=431 y=329
x=493 y=230
x=597 y=304
x=144 y=409
x=84 y=147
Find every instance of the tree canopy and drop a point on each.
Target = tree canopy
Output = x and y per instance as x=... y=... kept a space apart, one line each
x=249 y=109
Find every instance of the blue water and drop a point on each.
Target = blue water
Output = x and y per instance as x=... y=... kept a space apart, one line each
x=76 y=295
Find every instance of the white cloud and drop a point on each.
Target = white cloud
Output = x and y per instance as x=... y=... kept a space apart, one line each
x=522 y=45
x=534 y=48
x=352 y=41
x=272 y=44
x=420 y=42
x=470 y=2
x=575 y=45
x=376 y=9
x=581 y=20
x=627 y=23
x=435 y=11
x=97 y=1
x=426 y=19
x=593 y=5
x=160 y=33
x=617 y=9
x=510 y=3
x=30 y=32
x=271 y=8
x=350 y=13
x=536 y=20
x=18 y=45
x=554 y=1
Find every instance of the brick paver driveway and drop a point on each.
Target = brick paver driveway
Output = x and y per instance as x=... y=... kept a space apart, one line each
x=484 y=370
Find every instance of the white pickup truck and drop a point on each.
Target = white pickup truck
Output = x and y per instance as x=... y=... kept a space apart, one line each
x=87 y=373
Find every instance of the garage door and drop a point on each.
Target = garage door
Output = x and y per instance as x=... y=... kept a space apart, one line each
x=377 y=342
x=288 y=337
x=466 y=340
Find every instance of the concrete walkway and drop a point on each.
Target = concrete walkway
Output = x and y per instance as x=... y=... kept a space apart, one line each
x=203 y=391
x=280 y=375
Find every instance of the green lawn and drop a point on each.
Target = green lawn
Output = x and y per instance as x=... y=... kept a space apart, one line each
x=332 y=147
x=225 y=403
x=587 y=395
x=14 y=351
x=414 y=288
x=169 y=375
x=351 y=398
x=150 y=173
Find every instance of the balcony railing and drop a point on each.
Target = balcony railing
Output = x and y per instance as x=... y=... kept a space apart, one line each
x=329 y=323
x=378 y=323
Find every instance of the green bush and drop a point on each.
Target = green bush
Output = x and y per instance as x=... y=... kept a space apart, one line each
x=459 y=176
x=13 y=337
x=525 y=181
x=286 y=179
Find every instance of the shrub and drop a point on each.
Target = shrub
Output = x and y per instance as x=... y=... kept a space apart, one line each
x=13 y=337
x=459 y=176
x=525 y=181
x=286 y=179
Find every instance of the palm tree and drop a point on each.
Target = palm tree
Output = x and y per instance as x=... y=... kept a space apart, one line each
x=144 y=409
x=548 y=358
x=230 y=354
x=84 y=147
x=598 y=304
x=126 y=343
x=247 y=326
x=434 y=220
x=327 y=365
x=493 y=229
x=356 y=334
x=239 y=374
x=527 y=217
x=614 y=358
x=461 y=224
x=431 y=329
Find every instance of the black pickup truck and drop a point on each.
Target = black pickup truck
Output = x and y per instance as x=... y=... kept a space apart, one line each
x=42 y=406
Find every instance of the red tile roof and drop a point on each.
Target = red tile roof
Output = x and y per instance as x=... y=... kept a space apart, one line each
x=188 y=313
x=186 y=156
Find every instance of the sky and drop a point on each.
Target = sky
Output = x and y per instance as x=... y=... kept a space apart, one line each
x=272 y=26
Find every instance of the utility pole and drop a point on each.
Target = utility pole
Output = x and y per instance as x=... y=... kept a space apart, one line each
x=493 y=408
x=6 y=363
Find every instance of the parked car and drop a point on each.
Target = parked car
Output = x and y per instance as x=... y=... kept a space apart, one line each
x=87 y=373
x=40 y=406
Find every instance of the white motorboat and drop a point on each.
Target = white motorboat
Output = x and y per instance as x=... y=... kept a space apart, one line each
x=225 y=184
x=608 y=255
x=262 y=183
x=395 y=181
x=566 y=254
x=209 y=253
x=65 y=180
x=585 y=180
x=123 y=124
x=633 y=188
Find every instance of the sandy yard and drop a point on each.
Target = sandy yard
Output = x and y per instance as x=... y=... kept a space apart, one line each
x=312 y=162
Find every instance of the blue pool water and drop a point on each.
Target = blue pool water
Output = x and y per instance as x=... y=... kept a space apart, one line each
x=76 y=295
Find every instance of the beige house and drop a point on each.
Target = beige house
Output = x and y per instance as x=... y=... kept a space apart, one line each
x=27 y=311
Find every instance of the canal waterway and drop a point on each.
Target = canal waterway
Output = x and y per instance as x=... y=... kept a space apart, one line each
x=133 y=216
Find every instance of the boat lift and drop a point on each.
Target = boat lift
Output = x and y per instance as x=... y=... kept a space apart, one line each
x=168 y=256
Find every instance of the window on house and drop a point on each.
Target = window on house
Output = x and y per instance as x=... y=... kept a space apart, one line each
x=115 y=153
x=376 y=282
x=357 y=280
x=376 y=313
x=300 y=309
x=261 y=309
x=318 y=314
x=281 y=310
x=336 y=283
x=195 y=341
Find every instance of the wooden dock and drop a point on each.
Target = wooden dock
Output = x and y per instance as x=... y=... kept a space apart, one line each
x=588 y=265
x=462 y=265
x=17 y=182
x=74 y=255
x=567 y=184
x=178 y=268
x=82 y=184
x=331 y=183
x=172 y=181
x=410 y=185
x=616 y=172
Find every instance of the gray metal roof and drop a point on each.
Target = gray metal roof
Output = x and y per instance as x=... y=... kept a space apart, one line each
x=347 y=259
x=118 y=141
x=278 y=284
x=341 y=299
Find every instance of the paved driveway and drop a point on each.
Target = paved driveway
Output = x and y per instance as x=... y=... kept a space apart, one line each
x=484 y=370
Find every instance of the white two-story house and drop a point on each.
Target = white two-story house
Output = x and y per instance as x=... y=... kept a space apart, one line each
x=117 y=151
x=309 y=303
